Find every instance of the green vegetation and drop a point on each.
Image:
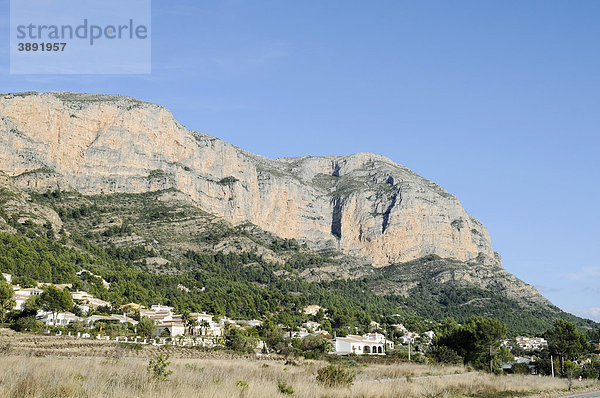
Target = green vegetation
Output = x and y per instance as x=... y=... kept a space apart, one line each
x=477 y=342
x=6 y=299
x=146 y=327
x=284 y=387
x=156 y=174
x=566 y=342
x=158 y=368
x=55 y=300
x=336 y=375
x=227 y=181
x=461 y=301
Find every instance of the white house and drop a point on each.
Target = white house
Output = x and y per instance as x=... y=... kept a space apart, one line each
x=357 y=345
x=204 y=319
x=124 y=319
x=8 y=277
x=409 y=337
x=300 y=333
x=379 y=338
x=531 y=343
x=86 y=301
x=312 y=309
x=172 y=328
x=312 y=326
x=62 y=318
x=161 y=308
x=21 y=295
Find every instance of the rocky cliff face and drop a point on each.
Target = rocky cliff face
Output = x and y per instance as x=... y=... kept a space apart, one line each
x=363 y=204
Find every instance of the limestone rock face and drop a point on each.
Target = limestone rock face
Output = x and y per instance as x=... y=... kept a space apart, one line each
x=363 y=204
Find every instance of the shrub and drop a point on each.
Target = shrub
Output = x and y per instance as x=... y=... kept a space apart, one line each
x=242 y=385
x=131 y=346
x=227 y=180
x=158 y=368
x=27 y=323
x=335 y=376
x=443 y=354
x=520 y=368
x=284 y=387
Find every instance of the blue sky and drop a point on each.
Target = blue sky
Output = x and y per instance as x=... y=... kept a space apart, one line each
x=497 y=101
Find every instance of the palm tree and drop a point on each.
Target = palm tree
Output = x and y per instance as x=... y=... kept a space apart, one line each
x=204 y=325
x=192 y=325
x=186 y=319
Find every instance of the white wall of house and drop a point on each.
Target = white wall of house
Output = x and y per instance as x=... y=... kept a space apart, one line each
x=357 y=345
x=174 y=330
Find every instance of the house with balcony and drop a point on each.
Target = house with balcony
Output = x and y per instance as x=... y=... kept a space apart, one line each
x=359 y=345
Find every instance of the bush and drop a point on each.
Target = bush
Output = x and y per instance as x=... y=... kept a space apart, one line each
x=238 y=340
x=157 y=368
x=335 y=376
x=284 y=387
x=520 y=368
x=27 y=323
x=443 y=354
x=131 y=346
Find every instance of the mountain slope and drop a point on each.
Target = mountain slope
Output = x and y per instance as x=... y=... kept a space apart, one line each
x=156 y=206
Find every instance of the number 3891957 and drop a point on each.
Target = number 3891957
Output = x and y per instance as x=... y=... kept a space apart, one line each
x=41 y=46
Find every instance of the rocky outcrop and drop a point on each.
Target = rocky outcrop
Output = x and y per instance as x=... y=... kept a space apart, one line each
x=363 y=204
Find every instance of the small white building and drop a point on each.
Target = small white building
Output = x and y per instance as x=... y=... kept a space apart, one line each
x=161 y=308
x=300 y=333
x=312 y=309
x=207 y=325
x=173 y=329
x=86 y=301
x=21 y=295
x=8 y=277
x=531 y=343
x=61 y=319
x=409 y=337
x=357 y=345
x=379 y=338
x=312 y=326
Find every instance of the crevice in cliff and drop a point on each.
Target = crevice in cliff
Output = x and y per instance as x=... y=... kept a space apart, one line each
x=386 y=214
x=336 y=169
x=336 y=219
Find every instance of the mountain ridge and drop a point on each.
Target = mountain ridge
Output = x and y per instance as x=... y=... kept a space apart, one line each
x=362 y=204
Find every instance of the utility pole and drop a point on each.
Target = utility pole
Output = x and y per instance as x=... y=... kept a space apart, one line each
x=552 y=364
x=409 y=349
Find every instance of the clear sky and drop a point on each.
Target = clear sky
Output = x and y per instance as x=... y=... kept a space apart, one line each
x=497 y=101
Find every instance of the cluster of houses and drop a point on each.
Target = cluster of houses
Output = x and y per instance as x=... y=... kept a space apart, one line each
x=527 y=343
x=170 y=324
x=532 y=343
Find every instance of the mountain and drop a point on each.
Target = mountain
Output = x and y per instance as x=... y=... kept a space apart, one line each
x=124 y=173
x=362 y=204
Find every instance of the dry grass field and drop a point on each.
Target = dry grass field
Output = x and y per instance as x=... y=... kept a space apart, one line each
x=47 y=366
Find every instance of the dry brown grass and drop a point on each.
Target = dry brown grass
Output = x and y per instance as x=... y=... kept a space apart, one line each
x=28 y=375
